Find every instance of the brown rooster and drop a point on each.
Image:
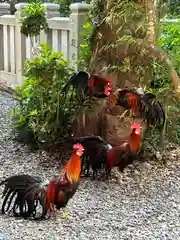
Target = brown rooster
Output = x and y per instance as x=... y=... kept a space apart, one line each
x=84 y=83
x=144 y=105
x=28 y=192
x=100 y=154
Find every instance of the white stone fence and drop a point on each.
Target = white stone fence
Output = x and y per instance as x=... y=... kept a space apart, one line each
x=63 y=36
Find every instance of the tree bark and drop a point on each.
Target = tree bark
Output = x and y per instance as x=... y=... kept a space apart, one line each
x=129 y=62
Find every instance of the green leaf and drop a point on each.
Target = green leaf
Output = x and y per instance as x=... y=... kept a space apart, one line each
x=40 y=99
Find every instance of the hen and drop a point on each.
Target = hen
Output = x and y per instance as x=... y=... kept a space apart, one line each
x=24 y=193
x=100 y=154
x=84 y=83
x=144 y=105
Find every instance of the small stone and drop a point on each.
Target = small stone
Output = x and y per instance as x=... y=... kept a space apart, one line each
x=3 y=236
x=145 y=165
x=166 y=193
x=136 y=172
x=161 y=218
x=137 y=178
x=158 y=155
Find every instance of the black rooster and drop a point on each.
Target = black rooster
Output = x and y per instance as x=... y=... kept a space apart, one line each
x=101 y=155
x=95 y=153
x=83 y=82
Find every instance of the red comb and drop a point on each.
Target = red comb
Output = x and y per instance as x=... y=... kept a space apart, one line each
x=135 y=125
x=110 y=82
x=107 y=91
x=77 y=146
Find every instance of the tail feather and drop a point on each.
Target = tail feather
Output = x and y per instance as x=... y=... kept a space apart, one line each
x=33 y=197
x=95 y=151
x=80 y=82
x=23 y=193
x=69 y=83
x=152 y=110
x=6 y=196
x=92 y=143
x=86 y=139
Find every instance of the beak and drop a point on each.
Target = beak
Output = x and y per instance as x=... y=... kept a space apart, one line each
x=138 y=131
x=78 y=153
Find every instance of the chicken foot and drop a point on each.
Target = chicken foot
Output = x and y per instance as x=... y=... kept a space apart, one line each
x=66 y=215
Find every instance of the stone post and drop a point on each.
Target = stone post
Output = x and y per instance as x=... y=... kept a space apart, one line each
x=77 y=17
x=20 y=44
x=52 y=10
x=4 y=9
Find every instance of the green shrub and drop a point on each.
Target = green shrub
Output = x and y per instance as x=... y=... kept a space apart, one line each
x=42 y=108
x=34 y=19
x=170 y=42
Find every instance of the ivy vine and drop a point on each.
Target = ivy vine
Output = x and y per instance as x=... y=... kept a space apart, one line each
x=34 y=19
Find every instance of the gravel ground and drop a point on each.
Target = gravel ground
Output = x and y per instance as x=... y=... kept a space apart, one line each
x=146 y=208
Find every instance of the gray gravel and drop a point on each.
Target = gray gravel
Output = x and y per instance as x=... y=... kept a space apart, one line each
x=146 y=208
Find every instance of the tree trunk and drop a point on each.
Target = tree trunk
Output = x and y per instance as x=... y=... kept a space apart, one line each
x=125 y=43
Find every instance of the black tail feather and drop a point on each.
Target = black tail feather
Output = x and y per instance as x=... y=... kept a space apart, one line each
x=95 y=152
x=69 y=83
x=79 y=81
x=152 y=110
x=24 y=193
x=87 y=139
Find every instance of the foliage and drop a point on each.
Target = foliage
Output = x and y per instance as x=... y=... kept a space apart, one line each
x=121 y=53
x=171 y=8
x=85 y=50
x=34 y=19
x=42 y=108
x=162 y=86
x=170 y=42
x=89 y=32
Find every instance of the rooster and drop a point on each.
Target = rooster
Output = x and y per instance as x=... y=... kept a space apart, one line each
x=144 y=105
x=100 y=154
x=28 y=192
x=84 y=83
x=95 y=152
